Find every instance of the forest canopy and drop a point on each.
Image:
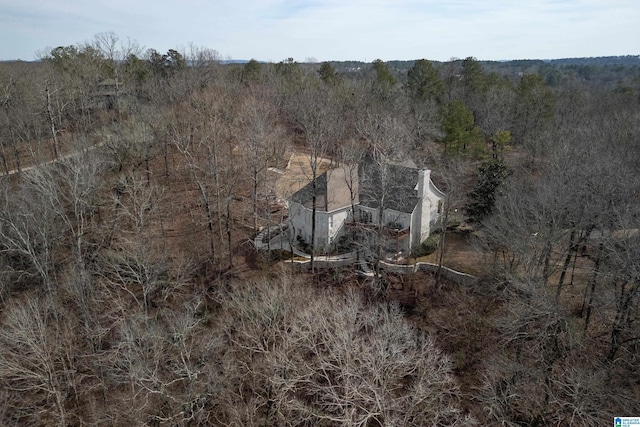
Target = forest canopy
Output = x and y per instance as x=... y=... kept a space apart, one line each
x=135 y=181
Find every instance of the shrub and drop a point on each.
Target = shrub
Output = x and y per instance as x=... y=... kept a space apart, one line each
x=427 y=247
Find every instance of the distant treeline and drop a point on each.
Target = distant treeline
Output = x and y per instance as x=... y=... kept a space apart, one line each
x=605 y=71
x=626 y=60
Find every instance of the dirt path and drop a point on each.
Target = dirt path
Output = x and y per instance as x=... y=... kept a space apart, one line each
x=34 y=162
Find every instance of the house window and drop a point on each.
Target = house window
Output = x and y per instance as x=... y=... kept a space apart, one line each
x=366 y=217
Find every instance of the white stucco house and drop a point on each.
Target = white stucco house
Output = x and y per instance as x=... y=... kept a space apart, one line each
x=402 y=199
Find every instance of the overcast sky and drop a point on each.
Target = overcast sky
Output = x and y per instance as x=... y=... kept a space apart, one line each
x=364 y=30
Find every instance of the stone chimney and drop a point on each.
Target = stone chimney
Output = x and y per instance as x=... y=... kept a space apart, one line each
x=424 y=175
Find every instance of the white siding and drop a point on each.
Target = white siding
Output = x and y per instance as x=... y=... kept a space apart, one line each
x=337 y=223
x=328 y=224
x=300 y=220
x=396 y=217
x=415 y=226
x=372 y=214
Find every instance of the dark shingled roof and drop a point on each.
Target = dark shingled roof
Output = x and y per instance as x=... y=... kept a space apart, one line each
x=332 y=191
x=304 y=196
x=389 y=184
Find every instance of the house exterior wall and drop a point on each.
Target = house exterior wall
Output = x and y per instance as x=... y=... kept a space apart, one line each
x=426 y=213
x=328 y=224
x=428 y=208
x=425 y=218
x=436 y=201
x=415 y=231
x=425 y=202
x=391 y=216
x=300 y=221
x=367 y=215
x=322 y=230
x=336 y=222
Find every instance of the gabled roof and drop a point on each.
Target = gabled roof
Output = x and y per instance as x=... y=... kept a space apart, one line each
x=374 y=184
x=297 y=175
x=389 y=184
x=332 y=190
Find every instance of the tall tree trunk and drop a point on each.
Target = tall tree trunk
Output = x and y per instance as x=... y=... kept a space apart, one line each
x=587 y=302
x=314 y=207
x=212 y=246
x=5 y=165
x=444 y=223
x=228 y=227
x=218 y=189
x=52 y=122
x=567 y=261
x=254 y=199
x=624 y=303
x=546 y=271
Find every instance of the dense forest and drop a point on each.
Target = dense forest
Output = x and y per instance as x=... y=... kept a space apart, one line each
x=133 y=182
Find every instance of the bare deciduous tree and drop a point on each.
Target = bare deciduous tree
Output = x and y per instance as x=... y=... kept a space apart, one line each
x=34 y=364
x=262 y=144
x=353 y=365
x=166 y=368
x=136 y=257
x=315 y=113
x=31 y=233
